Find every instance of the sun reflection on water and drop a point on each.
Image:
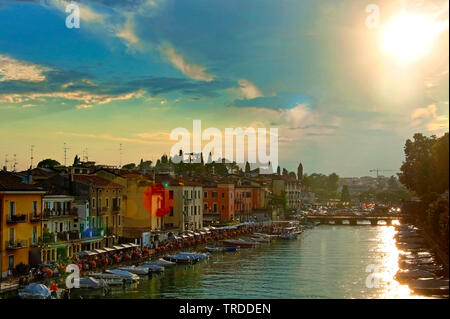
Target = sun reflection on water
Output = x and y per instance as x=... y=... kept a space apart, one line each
x=390 y=266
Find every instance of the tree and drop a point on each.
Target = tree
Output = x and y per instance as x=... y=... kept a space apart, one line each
x=247 y=167
x=425 y=169
x=48 y=163
x=129 y=166
x=345 y=194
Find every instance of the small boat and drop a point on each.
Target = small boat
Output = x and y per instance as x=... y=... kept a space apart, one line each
x=406 y=275
x=151 y=268
x=260 y=239
x=135 y=270
x=241 y=243
x=289 y=236
x=200 y=256
x=407 y=246
x=92 y=283
x=123 y=274
x=161 y=262
x=430 y=286
x=181 y=259
x=35 y=291
x=222 y=248
x=417 y=261
x=110 y=279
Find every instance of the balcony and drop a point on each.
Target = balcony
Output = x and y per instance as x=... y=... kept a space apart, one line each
x=103 y=211
x=13 y=219
x=187 y=201
x=59 y=213
x=116 y=210
x=16 y=244
x=68 y=235
x=35 y=217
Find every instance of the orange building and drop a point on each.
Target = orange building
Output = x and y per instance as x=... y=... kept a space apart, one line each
x=219 y=198
x=20 y=222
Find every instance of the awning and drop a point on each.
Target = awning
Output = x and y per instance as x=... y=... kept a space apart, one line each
x=134 y=245
x=118 y=247
x=100 y=251
x=126 y=246
x=196 y=234
x=184 y=236
x=88 y=253
x=202 y=232
x=108 y=249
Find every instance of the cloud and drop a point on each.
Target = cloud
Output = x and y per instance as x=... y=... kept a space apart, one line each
x=116 y=138
x=127 y=34
x=15 y=70
x=283 y=100
x=428 y=116
x=248 y=89
x=193 y=71
x=89 y=99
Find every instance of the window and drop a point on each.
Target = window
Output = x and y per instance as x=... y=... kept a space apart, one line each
x=205 y=194
x=223 y=195
x=170 y=194
x=223 y=208
x=195 y=210
x=118 y=220
x=107 y=202
x=11 y=262
x=12 y=208
x=12 y=236
x=100 y=203
x=215 y=207
x=34 y=238
x=35 y=207
x=205 y=207
x=214 y=194
x=171 y=211
x=93 y=203
x=118 y=202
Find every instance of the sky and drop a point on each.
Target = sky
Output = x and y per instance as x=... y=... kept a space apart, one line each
x=344 y=94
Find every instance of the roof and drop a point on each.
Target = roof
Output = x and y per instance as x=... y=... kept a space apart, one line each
x=10 y=182
x=95 y=181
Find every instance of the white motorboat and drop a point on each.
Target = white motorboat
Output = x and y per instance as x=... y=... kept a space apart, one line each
x=123 y=274
x=430 y=286
x=161 y=262
x=135 y=270
x=406 y=275
x=35 y=291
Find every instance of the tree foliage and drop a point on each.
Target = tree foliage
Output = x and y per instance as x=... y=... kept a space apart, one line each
x=48 y=163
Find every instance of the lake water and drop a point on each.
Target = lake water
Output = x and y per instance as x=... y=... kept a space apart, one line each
x=325 y=262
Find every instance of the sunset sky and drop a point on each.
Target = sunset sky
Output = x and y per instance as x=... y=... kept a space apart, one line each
x=343 y=95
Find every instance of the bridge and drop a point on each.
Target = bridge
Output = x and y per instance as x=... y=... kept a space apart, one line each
x=353 y=219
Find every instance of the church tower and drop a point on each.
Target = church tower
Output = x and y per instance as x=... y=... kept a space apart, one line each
x=300 y=172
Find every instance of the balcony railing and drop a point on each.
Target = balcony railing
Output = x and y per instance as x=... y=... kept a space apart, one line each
x=16 y=244
x=116 y=210
x=35 y=217
x=187 y=201
x=12 y=219
x=68 y=235
x=55 y=213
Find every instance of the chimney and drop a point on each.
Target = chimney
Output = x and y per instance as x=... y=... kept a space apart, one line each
x=71 y=184
x=29 y=177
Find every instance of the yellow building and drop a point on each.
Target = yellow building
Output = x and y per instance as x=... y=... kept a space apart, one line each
x=20 y=222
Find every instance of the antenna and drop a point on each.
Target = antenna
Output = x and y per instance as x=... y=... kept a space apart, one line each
x=85 y=155
x=31 y=155
x=120 y=155
x=65 y=154
x=15 y=163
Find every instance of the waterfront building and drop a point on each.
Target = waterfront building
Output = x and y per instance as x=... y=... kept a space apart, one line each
x=137 y=218
x=20 y=222
x=292 y=187
x=218 y=202
x=187 y=204
x=106 y=210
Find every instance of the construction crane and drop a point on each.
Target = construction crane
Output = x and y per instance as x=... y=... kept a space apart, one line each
x=377 y=170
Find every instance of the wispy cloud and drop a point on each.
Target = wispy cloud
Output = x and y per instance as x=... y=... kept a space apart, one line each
x=429 y=117
x=248 y=89
x=193 y=71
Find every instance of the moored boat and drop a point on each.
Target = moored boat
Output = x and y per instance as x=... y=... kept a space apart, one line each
x=430 y=286
x=123 y=274
x=241 y=243
x=161 y=262
x=35 y=291
x=181 y=259
x=135 y=270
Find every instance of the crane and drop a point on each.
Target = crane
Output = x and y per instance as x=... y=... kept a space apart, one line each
x=381 y=170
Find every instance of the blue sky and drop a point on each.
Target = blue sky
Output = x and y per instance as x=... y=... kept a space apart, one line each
x=137 y=69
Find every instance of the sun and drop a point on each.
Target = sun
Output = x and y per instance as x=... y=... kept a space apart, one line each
x=409 y=37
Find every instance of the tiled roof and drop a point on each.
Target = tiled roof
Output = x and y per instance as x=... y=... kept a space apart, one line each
x=10 y=182
x=96 y=181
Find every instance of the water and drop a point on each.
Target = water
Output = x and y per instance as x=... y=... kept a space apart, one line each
x=324 y=262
